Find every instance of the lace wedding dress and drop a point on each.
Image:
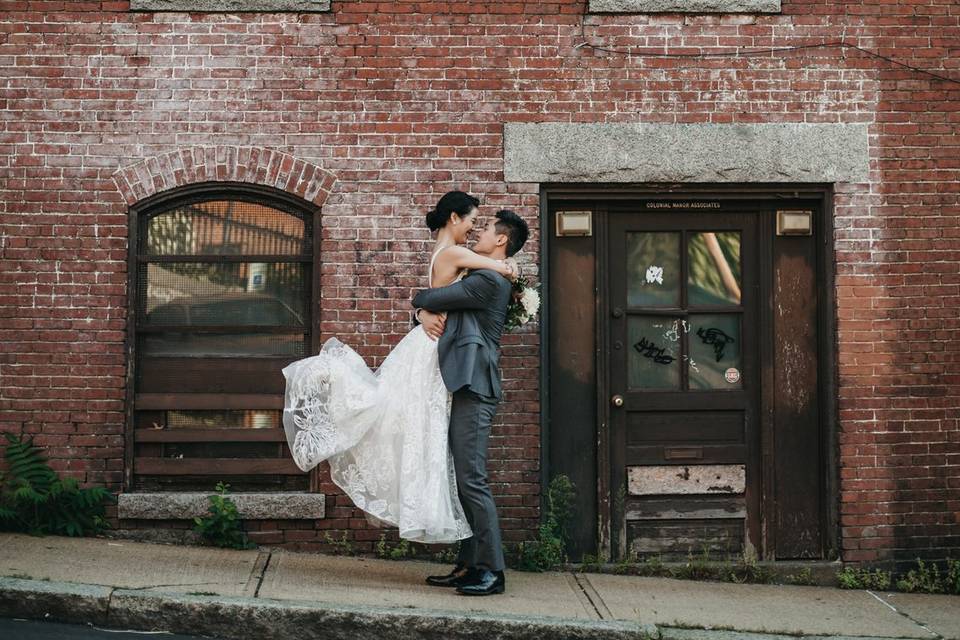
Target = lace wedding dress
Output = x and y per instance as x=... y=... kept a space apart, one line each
x=384 y=434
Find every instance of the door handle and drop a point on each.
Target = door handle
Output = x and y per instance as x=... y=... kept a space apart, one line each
x=617 y=400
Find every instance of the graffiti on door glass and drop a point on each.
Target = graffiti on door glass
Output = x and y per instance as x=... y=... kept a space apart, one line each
x=715 y=337
x=649 y=349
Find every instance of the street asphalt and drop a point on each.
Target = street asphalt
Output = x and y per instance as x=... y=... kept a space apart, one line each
x=13 y=629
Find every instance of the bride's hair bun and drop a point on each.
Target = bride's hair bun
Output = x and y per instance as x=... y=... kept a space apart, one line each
x=452 y=202
x=435 y=220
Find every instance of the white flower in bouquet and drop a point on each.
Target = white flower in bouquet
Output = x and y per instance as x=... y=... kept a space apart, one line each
x=530 y=299
x=524 y=304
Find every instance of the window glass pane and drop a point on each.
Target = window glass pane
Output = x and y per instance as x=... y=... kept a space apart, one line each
x=653 y=269
x=226 y=227
x=227 y=419
x=715 y=358
x=205 y=345
x=252 y=482
x=654 y=353
x=222 y=450
x=246 y=293
x=714 y=271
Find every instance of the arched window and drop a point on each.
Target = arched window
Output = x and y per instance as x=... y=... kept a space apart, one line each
x=222 y=297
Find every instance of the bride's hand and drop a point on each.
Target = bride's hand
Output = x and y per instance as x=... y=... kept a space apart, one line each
x=511 y=270
x=433 y=323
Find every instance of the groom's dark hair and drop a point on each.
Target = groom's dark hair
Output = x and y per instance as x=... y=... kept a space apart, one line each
x=514 y=227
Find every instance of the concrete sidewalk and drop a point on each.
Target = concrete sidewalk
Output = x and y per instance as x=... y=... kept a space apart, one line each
x=238 y=594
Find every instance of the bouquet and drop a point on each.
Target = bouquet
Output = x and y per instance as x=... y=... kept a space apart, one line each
x=524 y=304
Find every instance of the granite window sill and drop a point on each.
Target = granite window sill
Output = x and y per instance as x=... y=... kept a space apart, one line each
x=232 y=6
x=685 y=6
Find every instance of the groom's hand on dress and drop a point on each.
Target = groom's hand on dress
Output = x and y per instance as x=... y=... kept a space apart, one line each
x=433 y=323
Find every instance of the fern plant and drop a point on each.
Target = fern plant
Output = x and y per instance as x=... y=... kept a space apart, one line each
x=35 y=500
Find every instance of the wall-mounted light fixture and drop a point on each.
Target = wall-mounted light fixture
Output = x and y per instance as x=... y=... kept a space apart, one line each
x=794 y=222
x=574 y=223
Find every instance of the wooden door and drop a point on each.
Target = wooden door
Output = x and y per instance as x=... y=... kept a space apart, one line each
x=683 y=311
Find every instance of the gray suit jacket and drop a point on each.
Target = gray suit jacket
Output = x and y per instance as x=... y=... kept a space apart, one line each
x=469 y=348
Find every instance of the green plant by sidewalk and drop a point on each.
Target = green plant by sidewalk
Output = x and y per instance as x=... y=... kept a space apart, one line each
x=861 y=578
x=743 y=570
x=222 y=528
x=747 y=571
x=804 y=578
x=400 y=551
x=341 y=547
x=35 y=500
x=925 y=577
x=550 y=547
x=592 y=562
x=446 y=556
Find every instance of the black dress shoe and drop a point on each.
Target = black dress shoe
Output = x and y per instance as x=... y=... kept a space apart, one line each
x=459 y=575
x=486 y=583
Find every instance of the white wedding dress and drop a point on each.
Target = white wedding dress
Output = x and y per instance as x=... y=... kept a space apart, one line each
x=384 y=433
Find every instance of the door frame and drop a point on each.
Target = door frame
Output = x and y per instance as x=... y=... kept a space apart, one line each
x=596 y=195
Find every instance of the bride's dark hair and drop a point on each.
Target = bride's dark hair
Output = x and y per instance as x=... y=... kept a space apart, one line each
x=452 y=202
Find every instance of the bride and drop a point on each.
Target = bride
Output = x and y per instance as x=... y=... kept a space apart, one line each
x=384 y=433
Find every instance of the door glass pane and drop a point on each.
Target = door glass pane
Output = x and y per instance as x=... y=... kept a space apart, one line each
x=226 y=227
x=653 y=269
x=715 y=358
x=654 y=353
x=714 y=271
x=223 y=293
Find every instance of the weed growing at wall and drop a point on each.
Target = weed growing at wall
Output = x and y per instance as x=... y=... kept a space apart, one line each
x=222 y=528
x=341 y=547
x=857 y=578
x=925 y=577
x=446 y=556
x=400 y=551
x=550 y=547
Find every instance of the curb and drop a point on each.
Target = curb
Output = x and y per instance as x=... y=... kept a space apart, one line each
x=61 y=601
x=231 y=617
x=678 y=633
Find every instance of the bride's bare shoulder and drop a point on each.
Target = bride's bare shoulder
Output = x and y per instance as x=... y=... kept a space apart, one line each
x=453 y=254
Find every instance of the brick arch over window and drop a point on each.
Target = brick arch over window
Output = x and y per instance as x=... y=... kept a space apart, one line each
x=257 y=165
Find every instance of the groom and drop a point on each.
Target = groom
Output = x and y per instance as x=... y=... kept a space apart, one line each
x=469 y=352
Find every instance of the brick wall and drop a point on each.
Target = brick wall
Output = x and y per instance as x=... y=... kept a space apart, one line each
x=403 y=100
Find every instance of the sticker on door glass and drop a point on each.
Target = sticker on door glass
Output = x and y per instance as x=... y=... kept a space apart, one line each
x=654 y=274
x=732 y=375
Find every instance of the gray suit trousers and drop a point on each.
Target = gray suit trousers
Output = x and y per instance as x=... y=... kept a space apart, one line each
x=470 y=420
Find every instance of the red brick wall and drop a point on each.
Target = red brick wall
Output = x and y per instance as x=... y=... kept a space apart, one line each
x=404 y=100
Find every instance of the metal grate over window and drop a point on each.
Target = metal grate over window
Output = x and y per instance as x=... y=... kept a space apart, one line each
x=226 y=227
x=223 y=278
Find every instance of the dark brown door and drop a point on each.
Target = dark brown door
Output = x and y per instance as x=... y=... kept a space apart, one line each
x=683 y=382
